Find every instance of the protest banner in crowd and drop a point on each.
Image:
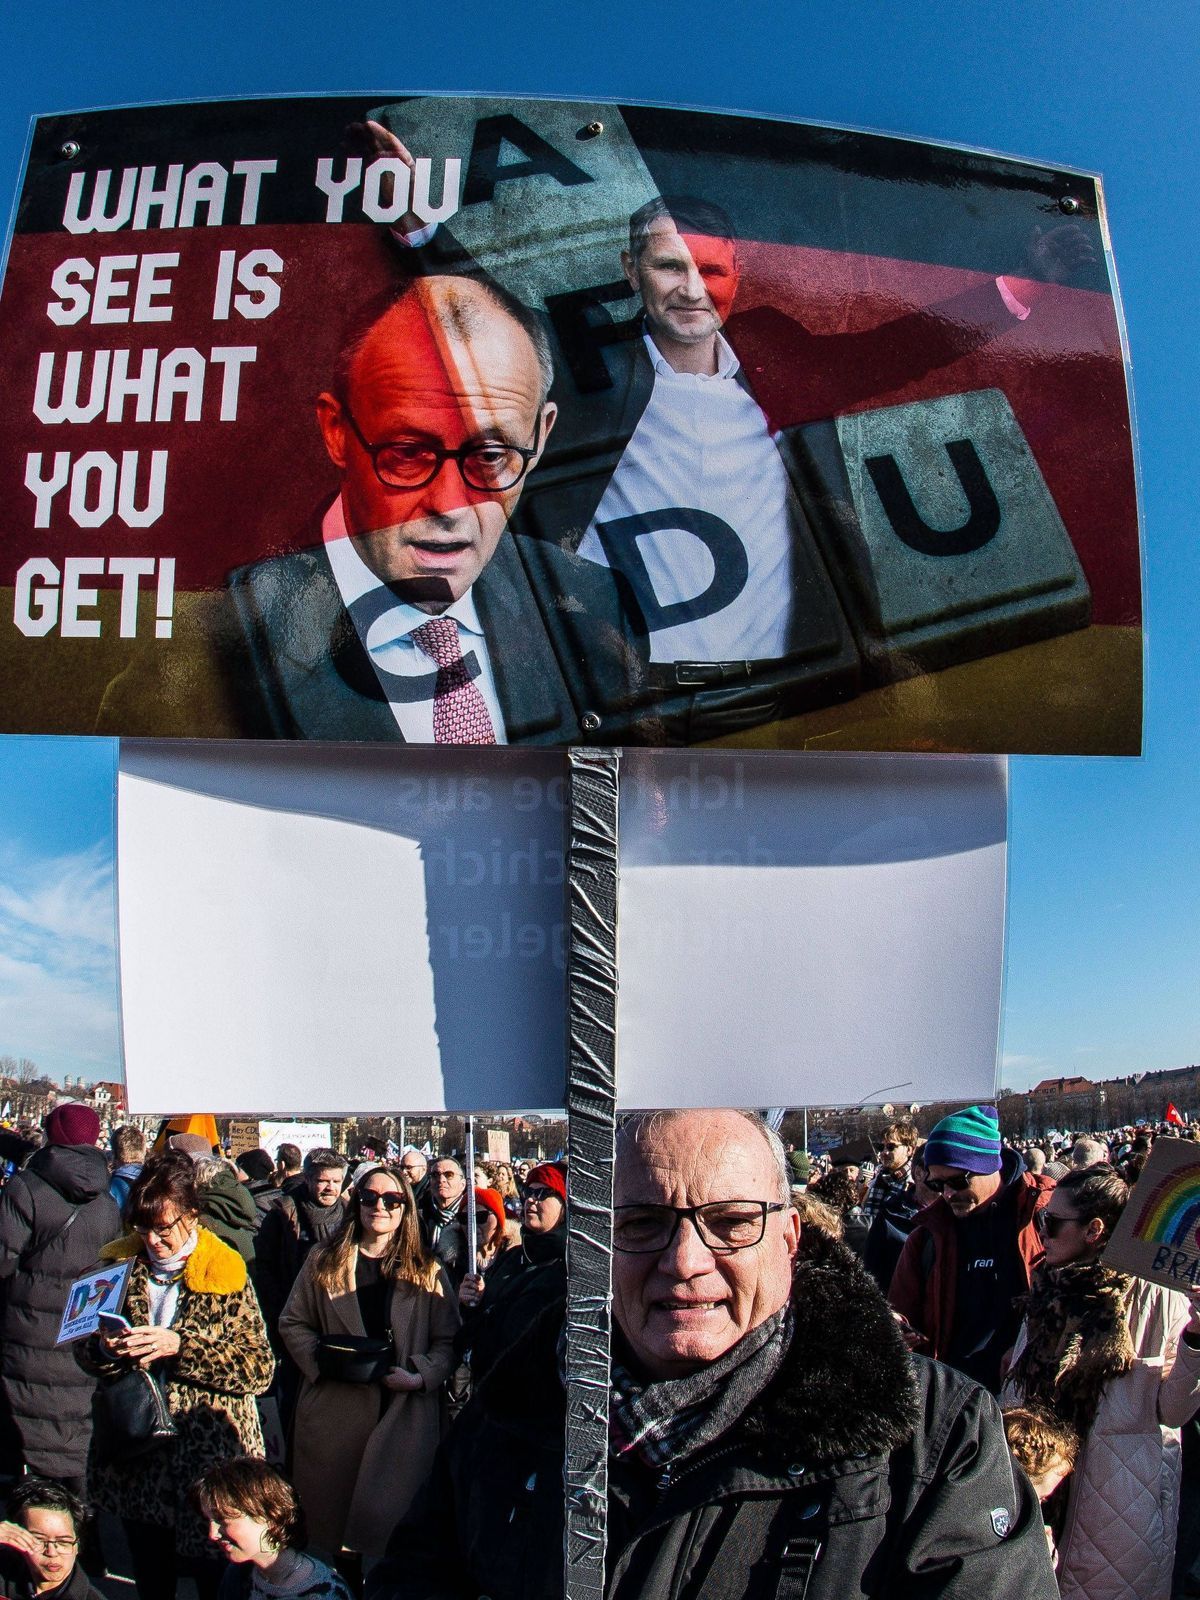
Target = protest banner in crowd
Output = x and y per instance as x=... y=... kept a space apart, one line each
x=335 y=420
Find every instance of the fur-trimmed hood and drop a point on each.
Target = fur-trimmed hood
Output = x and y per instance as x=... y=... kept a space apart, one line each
x=847 y=1385
x=212 y=1268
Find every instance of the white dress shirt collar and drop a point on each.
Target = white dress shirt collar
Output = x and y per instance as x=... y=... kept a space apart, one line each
x=727 y=362
x=355 y=579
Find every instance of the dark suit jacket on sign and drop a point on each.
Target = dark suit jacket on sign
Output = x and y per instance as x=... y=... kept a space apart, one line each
x=278 y=656
x=797 y=377
x=318 y=682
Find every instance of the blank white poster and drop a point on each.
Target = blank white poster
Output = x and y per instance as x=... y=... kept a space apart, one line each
x=308 y=929
x=809 y=929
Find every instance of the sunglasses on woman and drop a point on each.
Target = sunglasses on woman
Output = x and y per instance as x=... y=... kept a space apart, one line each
x=1051 y=1226
x=371 y=1199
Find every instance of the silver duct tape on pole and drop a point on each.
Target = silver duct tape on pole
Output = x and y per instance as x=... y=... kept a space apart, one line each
x=469 y=1200
x=591 y=1111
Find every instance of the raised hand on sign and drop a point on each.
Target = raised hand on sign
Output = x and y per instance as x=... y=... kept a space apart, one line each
x=372 y=139
x=1058 y=254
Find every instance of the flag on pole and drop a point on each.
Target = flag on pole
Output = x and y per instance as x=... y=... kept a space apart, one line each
x=1173 y=1115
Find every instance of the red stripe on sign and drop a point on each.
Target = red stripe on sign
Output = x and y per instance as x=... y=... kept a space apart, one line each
x=819 y=333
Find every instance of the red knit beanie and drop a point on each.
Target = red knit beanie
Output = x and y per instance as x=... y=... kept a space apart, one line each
x=551 y=1176
x=493 y=1203
x=72 y=1123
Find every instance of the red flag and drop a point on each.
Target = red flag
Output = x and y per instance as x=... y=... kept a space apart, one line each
x=1173 y=1115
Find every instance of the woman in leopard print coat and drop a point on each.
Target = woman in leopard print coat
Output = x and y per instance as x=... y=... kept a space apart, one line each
x=197 y=1325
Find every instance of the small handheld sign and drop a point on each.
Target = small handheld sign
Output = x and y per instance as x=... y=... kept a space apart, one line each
x=98 y=1293
x=1158 y=1236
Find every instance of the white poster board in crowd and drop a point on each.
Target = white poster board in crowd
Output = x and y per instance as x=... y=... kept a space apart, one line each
x=306 y=929
x=809 y=929
x=305 y=1136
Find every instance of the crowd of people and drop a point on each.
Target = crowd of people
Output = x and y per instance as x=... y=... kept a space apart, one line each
x=904 y=1368
x=992 y=1258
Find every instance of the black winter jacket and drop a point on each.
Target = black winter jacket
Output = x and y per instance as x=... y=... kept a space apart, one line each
x=16 y=1581
x=859 y=1472
x=522 y=1283
x=49 y=1396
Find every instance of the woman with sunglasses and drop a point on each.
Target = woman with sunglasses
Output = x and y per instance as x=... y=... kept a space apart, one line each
x=494 y=1233
x=370 y=1323
x=1118 y=1359
x=524 y=1282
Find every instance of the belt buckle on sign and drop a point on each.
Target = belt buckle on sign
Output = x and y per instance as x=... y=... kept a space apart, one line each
x=703 y=674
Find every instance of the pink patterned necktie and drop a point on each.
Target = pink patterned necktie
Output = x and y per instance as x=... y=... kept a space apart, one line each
x=460 y=713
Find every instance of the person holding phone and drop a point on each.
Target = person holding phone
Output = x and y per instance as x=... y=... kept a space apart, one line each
x=191 y=1319
x=370 y=1323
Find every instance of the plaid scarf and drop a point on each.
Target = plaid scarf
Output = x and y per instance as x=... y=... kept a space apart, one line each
x=889 y=1192
x=673 y=1418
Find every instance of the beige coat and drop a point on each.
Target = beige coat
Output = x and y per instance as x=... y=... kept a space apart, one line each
x=358 y=1462
x=1118 y=1541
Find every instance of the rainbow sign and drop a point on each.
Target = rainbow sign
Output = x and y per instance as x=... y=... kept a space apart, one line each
x=1171 y=1213
x=1158 y=1235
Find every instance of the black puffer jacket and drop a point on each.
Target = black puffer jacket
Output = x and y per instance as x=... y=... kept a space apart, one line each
x=50 y=1397
x=859 y=1472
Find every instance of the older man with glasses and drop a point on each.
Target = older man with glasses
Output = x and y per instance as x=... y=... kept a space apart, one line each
x=769 y=1434
x=969 y=1257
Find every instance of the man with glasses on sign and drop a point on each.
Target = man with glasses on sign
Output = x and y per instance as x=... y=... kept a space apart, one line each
x=969 y=1256
x=769 y=1434
x=417 y=616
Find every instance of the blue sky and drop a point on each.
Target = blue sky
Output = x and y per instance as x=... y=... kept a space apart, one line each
x=1103 y=932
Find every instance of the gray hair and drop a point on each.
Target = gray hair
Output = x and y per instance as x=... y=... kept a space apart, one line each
x=208 y=1169
x=639 y=1127
x=1088 y=1153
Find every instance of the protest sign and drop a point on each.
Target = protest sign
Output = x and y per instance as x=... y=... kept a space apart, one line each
x=305 y=1136
x=243 y=1136
x=313 y=929
x=499 y=1145
x=828 y=927
x=101 y=1290
x=903 y=516
x=1158 y=1235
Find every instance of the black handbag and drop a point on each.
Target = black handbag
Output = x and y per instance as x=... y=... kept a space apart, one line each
x=354 y=1357
x=132 y=1417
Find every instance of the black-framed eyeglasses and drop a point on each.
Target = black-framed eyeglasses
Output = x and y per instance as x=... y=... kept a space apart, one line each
x=491 y=465
x=956 y=1184
x=1051 y=1226
x=883 y=1147
x=723 y=1225
x=538 y=1192
x=371 y=1199
x=52 y=1547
